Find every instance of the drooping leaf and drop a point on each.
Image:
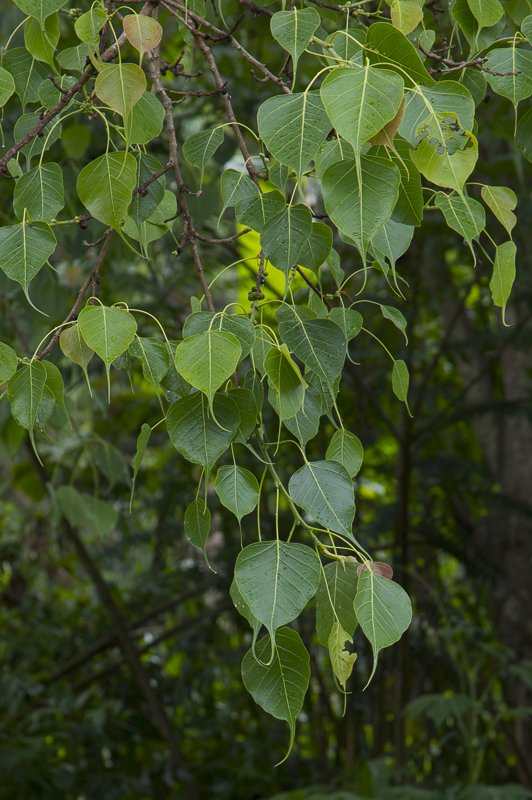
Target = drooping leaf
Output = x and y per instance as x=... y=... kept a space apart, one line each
x=361 y=101
x=277 y=579
x=40 y=192
x=293 y=127
x=120 y=86
x=486 y=12
x=89 y=25
x=294 y=30
x=143 y=32
x=285 y=235
x=450 y=170
x=406 y=15
x=146 y=202
x=347 y=450
x=42 y=41
x=265 y=208
x=391 y=242
x=349 y=320
x=464 y=215
x=201 y=146
x=243 y=608
x=324 y=490
x=105 y=187
x=383 y=611
x=317 y=247
x=24 y=392
x=501 y=201
x=7 y=86
x=154 y=356
x=286 y=382
x=8 y=362
x=24 y=250
x=55 y=383
x=196 y=435
x=400 y=380
x=206 y=360
x=395 y=316
x=279 y=687
x=145 y=120
x=334 y=599
x=142 y=442
x=523 y=134
x=342 y=661
x=305 y=424
x=237 y=489
x=107 y=330
x=75 y=348
x=197 y=523
x=503 y=275
x=359 y=197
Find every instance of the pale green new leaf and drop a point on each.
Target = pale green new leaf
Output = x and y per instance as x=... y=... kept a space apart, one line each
x=105 y=187
x=196 y=435
x=40 y=192
x=42 y=41
x=361 y=101
x=293 y=127
x=279 y=687
x=383 y=610
x=347 y=450
x=342 y=661
x=286 y=382
x=24 y=250
x=324 y=490
x=7 y=86
x=277 y=579
x=237 y=489
x=359 y=197
x=89 y=25
x=197 y=522
x=8 y=362
x=503 y=275
x=294 y=30
x=74 y=348
x=464 y=215
x=406 y=15
x=450 y=170
x=501 y=201
x=285 y=235
x=206 y=360
x=108 y=330
x=120 y=86
x=486 y=12
x=335 y=598
x=142 y=31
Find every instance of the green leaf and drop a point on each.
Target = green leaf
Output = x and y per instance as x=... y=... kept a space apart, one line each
x=142 y=443
x=85 y=511
x=347 y=450
x=107 y=330
x=74 y=58
x=464 y=215
x=105 y=187
x=317 y=247
x=40 y=192
x=50 y=134
x=28 y=74
x=207 y=360
x=526 y=28
x=406 y=15
x=243 y=608
x=280 y=687
x=388 y=46
x=237 y=189
x=50 y=94
x=335 y=598
x=89 y=25
x=442 y=112
x=146 y=202
x=293 y=127
x=74 y=348
x=349 y=320
x=383 y=611
x=42 y=41
x=286 y=381
x=395 y=316
x=197 y=523
x=306 y=423
x=24 y=392
x=324 y=490
x=236 y=324
x=237 y=489
x=266 y=208
x=145 y=120
x=154 y=356
x=143 y=32
x=516 y=63
x=7 y=86
x=120 y=86
x=408 y=209
x=40 y=9
x=294 y=30
x=450 y=170
x=8 y=362
x=54 y=382
x=319 y=343
x=400 y=380
x=361 y=101
x=249 y=406
x=501 y=201
x=391 y=242
x=24 y=250
x=277 y=579
x=486 y=12
x=201 y=146
x=196 y=435
x=359 y=197
x=503 y=275
x=285 y=235
x=342 y=660
x=523 y=134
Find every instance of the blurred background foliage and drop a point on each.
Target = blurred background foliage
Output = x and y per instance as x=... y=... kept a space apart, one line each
x=120 y=651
